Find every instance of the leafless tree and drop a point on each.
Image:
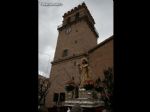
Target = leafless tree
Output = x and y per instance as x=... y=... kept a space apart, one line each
x=43 y=86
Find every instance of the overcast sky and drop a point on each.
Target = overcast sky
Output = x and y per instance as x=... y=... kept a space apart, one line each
x=51 y=16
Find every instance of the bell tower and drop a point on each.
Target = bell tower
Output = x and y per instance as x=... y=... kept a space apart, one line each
x=77 y=33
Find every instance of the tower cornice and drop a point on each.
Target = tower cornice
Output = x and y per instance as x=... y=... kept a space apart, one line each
x=61 y=27
x=69 y=58
x=80 y=6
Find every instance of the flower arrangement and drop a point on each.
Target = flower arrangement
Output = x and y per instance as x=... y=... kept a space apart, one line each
x=98 y=85
x=88 y=84
x=69 y=88
x=108 y=82
x=70 y=85
x=99 y=89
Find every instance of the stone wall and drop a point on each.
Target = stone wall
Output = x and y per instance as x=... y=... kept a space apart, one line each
x=78 y=41
x=101 y=57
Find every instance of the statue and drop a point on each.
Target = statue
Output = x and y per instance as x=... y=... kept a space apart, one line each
x=84 y=72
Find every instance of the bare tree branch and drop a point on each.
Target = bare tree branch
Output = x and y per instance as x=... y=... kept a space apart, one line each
x=43 y=88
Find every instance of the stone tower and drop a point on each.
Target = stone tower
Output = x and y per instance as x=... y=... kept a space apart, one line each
x=77 y=35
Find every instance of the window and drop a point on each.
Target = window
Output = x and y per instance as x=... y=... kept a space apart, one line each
x=65 y=53
x=62 y=97
x=59 y=97
x=55 y=98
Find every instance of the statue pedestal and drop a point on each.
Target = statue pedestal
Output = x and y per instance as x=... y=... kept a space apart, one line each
x=86 y=99
x=69 y=95
x=84 y=94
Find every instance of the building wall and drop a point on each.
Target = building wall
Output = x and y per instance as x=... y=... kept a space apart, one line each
x=82 y=12
x=60 y=74
x=79 y=40
x=72 y=16
x=101 y=58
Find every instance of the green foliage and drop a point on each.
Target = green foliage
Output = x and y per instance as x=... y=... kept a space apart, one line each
x=88 y=86
x=69 y=88
x=105 y=87
x=108 y=88
x=98 y=86
x=99 y=89
x=94 y=95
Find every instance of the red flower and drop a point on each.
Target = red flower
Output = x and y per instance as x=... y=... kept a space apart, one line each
x=89 y=82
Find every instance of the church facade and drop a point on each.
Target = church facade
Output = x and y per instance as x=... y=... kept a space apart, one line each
x=77 y=39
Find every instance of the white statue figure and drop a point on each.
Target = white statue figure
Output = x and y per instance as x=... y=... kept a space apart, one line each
x=84 y=71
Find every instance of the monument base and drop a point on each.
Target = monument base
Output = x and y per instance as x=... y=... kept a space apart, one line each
x=86 y=99
x=84 y=103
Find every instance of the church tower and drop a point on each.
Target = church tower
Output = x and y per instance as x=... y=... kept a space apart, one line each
x=77 y=35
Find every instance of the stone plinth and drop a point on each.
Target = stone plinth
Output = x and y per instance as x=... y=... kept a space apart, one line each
x=86 y=99
x=83 y=94
x=69 y=95
x=84 y=103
